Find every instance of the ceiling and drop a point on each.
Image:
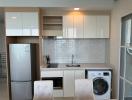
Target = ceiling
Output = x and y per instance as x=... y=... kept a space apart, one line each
x=83 y=4
x=58 y=4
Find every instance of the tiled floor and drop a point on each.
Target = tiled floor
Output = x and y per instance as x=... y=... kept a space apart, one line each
x=3 y=89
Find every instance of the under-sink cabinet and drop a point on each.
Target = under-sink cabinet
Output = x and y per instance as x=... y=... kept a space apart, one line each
x=68 y=83
x=68 y=78
x=79 y=74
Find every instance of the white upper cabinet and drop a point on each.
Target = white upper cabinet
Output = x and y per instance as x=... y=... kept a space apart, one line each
x=78 y=26
x=103 y=26
x=85 y=26
x=73 y=26
x=22 y=24
x=13 y=24
x=35 y=23
x=26 y=18
x=30 y=23
x=68 y=26
x=96 y=26
x=90 y=26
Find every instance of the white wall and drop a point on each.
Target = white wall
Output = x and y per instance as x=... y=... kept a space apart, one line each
x=121 y=8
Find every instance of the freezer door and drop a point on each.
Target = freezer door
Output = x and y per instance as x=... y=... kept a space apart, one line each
x=21 y=90
x=20 y=62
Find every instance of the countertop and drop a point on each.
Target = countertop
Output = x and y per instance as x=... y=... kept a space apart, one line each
x=82 y=66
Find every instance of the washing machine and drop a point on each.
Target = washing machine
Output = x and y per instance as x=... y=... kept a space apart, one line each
x=101 y=83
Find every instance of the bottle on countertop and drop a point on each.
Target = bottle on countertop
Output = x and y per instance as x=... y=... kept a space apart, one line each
x=47 y=59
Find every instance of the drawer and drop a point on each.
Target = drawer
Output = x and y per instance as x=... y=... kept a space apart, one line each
x=51 y=74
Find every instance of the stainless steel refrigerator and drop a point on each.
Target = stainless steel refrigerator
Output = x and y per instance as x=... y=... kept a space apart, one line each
x=22 y=70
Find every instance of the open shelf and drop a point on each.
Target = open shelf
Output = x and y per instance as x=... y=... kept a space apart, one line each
x=52 y=25
x=52 y=19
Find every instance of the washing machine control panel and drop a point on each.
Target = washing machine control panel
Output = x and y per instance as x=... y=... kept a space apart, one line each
x=93 y=74
x=106 y=73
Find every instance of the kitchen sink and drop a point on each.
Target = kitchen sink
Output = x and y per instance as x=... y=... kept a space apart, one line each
x=72 y=65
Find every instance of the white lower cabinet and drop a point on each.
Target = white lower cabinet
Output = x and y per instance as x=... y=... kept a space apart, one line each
x=68 y=83
x=52 y=75
x=69 y=77
x=79 y=74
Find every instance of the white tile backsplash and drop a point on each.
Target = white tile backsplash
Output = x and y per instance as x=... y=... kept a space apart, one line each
x=84 y=50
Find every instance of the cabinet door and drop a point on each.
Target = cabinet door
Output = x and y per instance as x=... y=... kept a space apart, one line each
x=30 y=24
x=78 y=26
x=13 y=24
x=89 y=26
x=79 y=74
x=35 y=23
x=102 y=26
x=26 y=23
x=69 y=83
x=68 y=26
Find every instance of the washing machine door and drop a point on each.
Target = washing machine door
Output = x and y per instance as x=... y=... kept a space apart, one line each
x=100 y=86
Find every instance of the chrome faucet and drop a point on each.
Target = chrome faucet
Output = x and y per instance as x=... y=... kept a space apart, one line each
x=72 y=58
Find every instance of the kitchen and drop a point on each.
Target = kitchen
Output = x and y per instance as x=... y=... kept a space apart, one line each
x=85 y=45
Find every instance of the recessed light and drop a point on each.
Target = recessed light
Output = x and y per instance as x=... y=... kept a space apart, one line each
x=76 y=8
